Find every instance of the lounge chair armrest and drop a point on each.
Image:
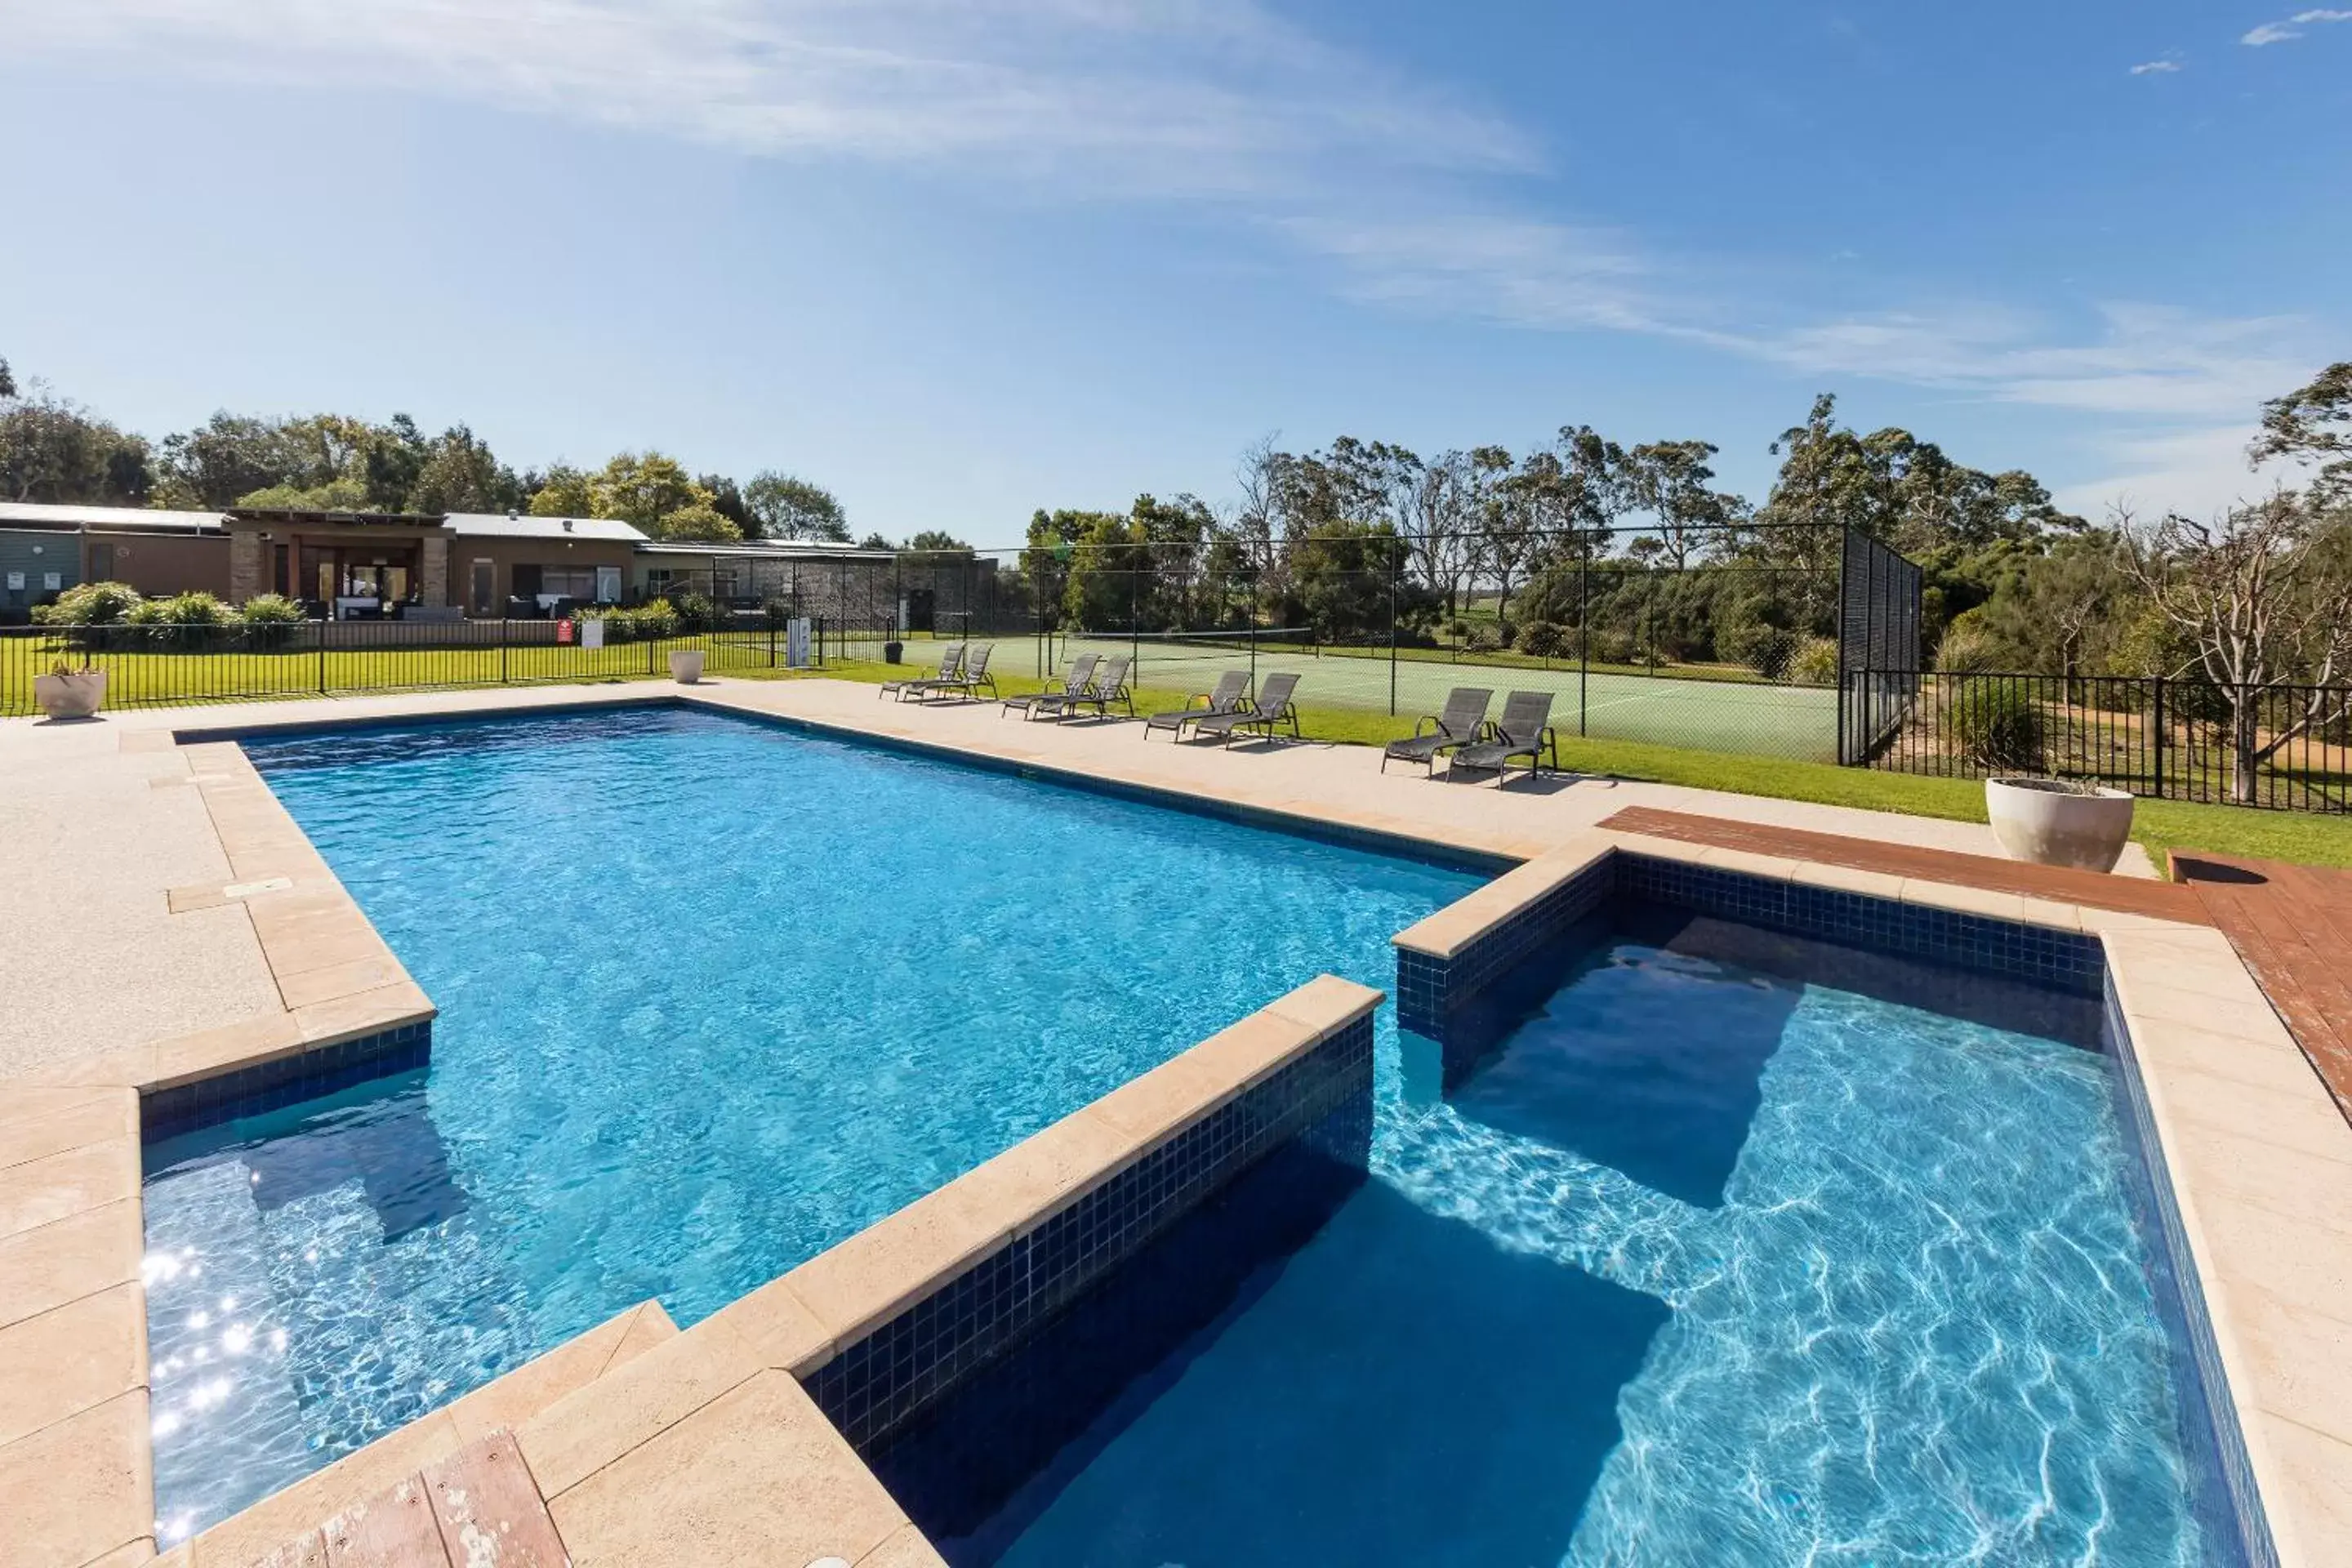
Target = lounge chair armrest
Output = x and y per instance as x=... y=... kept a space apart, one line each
x=1435 y=726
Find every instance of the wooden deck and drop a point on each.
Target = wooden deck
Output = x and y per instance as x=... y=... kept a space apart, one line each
x=2293 y=927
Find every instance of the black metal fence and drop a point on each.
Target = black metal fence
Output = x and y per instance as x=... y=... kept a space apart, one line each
x=2284 y=747
x=154 y=666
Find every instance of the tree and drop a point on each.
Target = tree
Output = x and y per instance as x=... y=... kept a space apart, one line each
x=785 y=507
x=2265 y=593
x=697 y=520
x=335 y=495
x=563 y=492
x=2313 y=424
x=1510 y=509
x=727 y=500
x=644 y=488
x=933 y=541
x=58 y=451
x=460 y=473
x=1672 y=482
x=8 y=381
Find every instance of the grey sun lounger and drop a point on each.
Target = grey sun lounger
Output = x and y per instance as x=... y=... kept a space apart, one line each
x=1458 y=725
x=968 y=681
x=1231 y=691
x=1523 y=731
x=1270 y=708
x=950 y=665
x=1082 y=671
x=1108 y=686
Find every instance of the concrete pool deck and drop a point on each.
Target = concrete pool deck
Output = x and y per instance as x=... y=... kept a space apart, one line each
x=220 y=937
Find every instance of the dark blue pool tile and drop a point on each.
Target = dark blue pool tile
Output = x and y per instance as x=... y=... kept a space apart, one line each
x=265 y=1086
x=1320 y=1103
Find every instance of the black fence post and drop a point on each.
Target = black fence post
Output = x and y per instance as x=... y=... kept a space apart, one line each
x=322 y=653
x=2159 y=738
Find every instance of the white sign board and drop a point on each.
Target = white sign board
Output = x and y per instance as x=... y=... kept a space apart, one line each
x=591 y=633
x=16 y=579
x=796 y=642
x=53 y=580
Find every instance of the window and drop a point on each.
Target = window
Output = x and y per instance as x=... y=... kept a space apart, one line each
x=568 y=582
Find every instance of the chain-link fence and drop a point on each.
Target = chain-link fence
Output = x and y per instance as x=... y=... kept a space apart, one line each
x=1724 y=640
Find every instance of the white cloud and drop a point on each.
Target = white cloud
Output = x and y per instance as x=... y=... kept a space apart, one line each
x=2155 y=67
x=2198 y=470
x=1213 y=97
x=2280 y=32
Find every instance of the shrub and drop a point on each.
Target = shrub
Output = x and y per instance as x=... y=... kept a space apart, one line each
x=90 y=605
x=270 y=619
x=655 y=619
x=1482 y=639
x=1968 y=645
x=1545 y=639
x=1996 y=723
x=1815 y=663
x=693 y=613
x=183 y=620
x=1766 y=649
x=1611 y=644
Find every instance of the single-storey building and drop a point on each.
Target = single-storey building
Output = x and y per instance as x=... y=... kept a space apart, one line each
x=44 y=550
x=480 y=564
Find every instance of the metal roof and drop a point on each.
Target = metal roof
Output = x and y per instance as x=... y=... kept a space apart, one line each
x=112 y=519
x=765 y=549
x=522 y=525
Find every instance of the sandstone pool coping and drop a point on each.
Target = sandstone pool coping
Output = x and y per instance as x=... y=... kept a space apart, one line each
x=2264 y=1187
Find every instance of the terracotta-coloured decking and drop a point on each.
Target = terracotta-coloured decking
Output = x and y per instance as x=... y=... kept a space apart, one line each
x=2130 y=894
x=2293 y=927
x=477 y=1509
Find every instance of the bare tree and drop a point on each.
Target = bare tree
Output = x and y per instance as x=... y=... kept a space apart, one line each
x=2265 y=593
x=1442 y=537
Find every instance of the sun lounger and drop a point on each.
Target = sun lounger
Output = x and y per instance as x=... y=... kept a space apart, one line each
x=1082 y=671
x=971 y=678
x=1270 y=708
x=950 y=665
x=1523 y=731
x=1231 y=691
x=1458 y=725
x=1108 y=686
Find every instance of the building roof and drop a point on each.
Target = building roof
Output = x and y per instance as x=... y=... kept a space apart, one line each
x=108 y=519
x=522 y=525
x=764 y=550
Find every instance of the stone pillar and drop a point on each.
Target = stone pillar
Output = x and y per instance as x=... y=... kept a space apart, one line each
x=436 y=570
x=246 y=577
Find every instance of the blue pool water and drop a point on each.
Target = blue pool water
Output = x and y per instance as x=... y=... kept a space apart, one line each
x=1705 y=1265
x=713 y=997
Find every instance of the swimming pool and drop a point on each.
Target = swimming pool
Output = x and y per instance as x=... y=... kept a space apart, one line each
x=1710 y=1262
x=714 y=996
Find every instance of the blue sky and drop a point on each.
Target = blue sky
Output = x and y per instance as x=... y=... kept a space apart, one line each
x=960 y=259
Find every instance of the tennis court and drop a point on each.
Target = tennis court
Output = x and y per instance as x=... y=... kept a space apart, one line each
x=1752 y=719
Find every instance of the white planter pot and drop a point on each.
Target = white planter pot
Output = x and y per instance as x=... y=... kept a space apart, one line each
x=2052 y=825
x=75 y=695
x=685 y=666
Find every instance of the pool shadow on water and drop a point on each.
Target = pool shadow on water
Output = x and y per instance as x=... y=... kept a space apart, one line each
x=1620 y=1048
x=1400 y=1390
x=378 y=1134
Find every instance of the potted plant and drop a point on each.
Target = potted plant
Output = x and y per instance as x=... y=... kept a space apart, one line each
x=69 y=693
x=2059 y=822
x=685 y=664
